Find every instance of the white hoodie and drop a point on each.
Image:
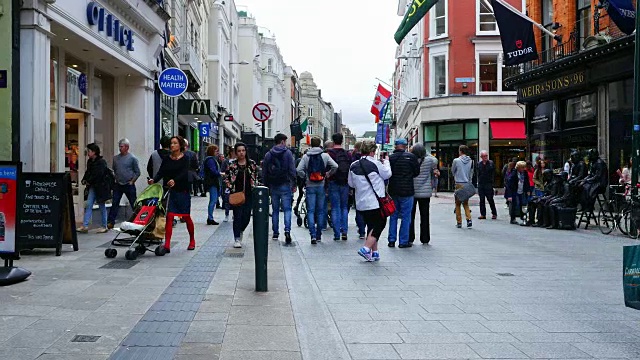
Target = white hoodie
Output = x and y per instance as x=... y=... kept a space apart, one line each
x=378 y=172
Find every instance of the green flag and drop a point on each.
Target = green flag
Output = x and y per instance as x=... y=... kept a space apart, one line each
x=414 y=13
x=304 y=125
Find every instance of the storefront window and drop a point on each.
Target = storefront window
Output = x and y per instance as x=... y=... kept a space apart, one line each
x=542 y=120
x=102 y=95
x=581 y=111
x=620 y=124
x=77 y=82
x=430 y=133
x=471 y=131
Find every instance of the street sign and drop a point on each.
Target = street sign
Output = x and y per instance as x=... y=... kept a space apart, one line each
x=204 y=129
x=261 y=112
x=465 y=80
x=173 y=82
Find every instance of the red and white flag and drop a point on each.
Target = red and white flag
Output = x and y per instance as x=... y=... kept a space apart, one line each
x=382 y=96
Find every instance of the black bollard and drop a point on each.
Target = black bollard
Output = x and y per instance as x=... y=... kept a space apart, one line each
x=261 y=235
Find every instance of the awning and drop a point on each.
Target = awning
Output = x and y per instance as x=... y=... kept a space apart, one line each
x=507 y=129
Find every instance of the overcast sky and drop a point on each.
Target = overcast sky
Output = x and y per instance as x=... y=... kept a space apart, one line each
x=345 y=44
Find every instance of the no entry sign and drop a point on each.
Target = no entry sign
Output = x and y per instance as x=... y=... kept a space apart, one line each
x=261 y=112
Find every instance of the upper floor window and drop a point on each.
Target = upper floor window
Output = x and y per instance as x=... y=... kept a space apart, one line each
x=270 y=65
x=485 y=21
x=438 y=20
x=547 y=22
x=192 y=33
x=438 y=75
x=583 y=16
x=489 y=73
x=270 y=94
x=310 y=110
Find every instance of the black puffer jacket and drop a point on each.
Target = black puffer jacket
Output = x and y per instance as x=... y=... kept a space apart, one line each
x=404 y=167
x=96 y=178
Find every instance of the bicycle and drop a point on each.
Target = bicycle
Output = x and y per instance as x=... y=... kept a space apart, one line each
x=612 y=211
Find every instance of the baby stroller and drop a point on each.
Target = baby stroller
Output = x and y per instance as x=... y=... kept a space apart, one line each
x=149 y=207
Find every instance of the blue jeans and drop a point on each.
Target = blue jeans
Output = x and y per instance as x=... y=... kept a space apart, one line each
x=88 y=212
x=315 y=207
x=213 y=200
x=281 y=193
x=118 y=190
x=362 y=226
x=517 y=202
x=404 y=205
x=339 y=196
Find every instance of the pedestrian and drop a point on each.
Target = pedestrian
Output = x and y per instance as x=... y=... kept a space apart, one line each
x=313 y=167
x=242 y=177
x=339 y=188
x=462 y=169
x=127 y=171
x=328 y=145
x=300 y=182
x=367 y=176
x=355 y=156
x=486 y=178
x=98 y=179
x=423 y=190
x=506 y=171
x=519 y=190
x=404 y=167
x=279 y=175
x=194 y=168
x=530 y=171
x=174 y=172
x=156 y=158
x=212 y=180
x=231 y=157
x=538 y=178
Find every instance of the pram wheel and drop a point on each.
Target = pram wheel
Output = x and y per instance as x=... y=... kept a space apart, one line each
x=299 y=221
x=141 y=249
x=131 y=255
x=306 y=222
x=110 y=253
x=160 y=251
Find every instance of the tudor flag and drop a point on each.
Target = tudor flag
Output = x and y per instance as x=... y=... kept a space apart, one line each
x=516 y=34
x=414 y=13
x=382 y=96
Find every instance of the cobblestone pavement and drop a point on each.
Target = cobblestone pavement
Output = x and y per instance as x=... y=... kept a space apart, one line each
x=496 y=291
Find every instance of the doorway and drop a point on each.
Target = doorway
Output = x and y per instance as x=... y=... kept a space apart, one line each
x=75 y=135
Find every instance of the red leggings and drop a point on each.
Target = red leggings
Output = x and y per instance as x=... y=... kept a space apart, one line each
x=169 y=229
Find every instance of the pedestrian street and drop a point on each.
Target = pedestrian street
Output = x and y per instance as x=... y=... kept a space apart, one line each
x=495 y=291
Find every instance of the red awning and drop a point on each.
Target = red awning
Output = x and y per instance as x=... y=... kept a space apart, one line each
x=507 y=129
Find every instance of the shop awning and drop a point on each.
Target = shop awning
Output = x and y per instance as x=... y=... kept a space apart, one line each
x=507 y=129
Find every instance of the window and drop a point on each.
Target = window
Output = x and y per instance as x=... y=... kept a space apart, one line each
x=192 y=34
x=439 y=78
x=310 y=129
x=583 y=15
x=486 y=21
x=270 y=94
x=488 y=72
x=547 y=22
x=270 y=65
x=438 y=20
x=310 y=110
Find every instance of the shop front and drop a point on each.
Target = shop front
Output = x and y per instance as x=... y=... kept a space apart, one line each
x=99 y=65
x=580 y=102
x=507 y=141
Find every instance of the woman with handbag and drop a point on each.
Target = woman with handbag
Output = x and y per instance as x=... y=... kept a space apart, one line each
x=241 y=177
x=174 y=173
x=462 y=169
x=98 y=183
x=367 y=177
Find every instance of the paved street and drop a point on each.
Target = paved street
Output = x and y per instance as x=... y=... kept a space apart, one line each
x=496 y=291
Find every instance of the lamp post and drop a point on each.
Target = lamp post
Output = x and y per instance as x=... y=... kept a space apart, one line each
x=635 y=135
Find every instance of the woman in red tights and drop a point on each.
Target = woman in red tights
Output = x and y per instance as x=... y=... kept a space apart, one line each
x=174 y=172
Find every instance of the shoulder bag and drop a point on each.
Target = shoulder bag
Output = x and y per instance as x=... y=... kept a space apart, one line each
x=238 y=198
x=467 y=190
x=387 y=206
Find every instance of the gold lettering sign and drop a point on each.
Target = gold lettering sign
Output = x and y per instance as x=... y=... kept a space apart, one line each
x=560 y=83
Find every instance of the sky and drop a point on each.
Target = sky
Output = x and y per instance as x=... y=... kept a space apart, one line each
x=345 y=44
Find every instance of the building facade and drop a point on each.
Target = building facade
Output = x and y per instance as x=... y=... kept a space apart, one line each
x=292 y=99
x=310 y=105
x=579 y=93
x=449 y=86
x=273 y=84
x=327 y=119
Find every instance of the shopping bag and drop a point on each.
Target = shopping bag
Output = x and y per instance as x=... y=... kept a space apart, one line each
x=631 y=276
x=159 y=230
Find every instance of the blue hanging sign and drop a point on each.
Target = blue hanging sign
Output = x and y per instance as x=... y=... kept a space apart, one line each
x=82 y=84
x=173 y=82
x=204 y=129
x=380 y=134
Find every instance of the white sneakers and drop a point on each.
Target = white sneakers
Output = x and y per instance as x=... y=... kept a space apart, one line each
x=102 y=230
x=237 y=244
x=226 y=218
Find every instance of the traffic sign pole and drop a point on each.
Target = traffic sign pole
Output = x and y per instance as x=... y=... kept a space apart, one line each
x=261 y=112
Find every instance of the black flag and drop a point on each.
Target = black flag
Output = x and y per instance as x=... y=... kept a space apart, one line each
x=516 y=34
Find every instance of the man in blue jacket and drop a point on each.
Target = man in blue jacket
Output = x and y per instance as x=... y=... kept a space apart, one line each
x=279 y=175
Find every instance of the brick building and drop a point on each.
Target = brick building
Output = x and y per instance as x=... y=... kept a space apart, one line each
x=579 y=93
x=449 y=86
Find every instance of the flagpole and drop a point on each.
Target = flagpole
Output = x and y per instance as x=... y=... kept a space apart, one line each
x=519 y=13
x=394 y=89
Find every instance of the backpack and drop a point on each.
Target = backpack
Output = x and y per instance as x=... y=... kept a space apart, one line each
x=343 y=159
x=316 y=168
x=277 y=174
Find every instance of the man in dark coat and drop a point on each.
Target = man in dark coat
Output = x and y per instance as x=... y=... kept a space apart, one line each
x=404 y=167
x=486 y=177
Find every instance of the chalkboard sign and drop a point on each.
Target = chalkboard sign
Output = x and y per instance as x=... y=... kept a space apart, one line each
x=46 y=216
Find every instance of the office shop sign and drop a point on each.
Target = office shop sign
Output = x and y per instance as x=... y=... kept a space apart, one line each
x=110 y=24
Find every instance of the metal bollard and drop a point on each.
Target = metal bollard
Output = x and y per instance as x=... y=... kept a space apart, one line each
x=261 y=235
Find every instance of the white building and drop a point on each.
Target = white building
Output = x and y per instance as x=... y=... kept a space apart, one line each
x=273 y=83
x=250 y=76
x=223 y=63
x=310 y=104
x=327 y=119
x=83 y=82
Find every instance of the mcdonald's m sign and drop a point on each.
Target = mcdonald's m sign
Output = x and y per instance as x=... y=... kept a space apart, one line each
x=194 y=106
